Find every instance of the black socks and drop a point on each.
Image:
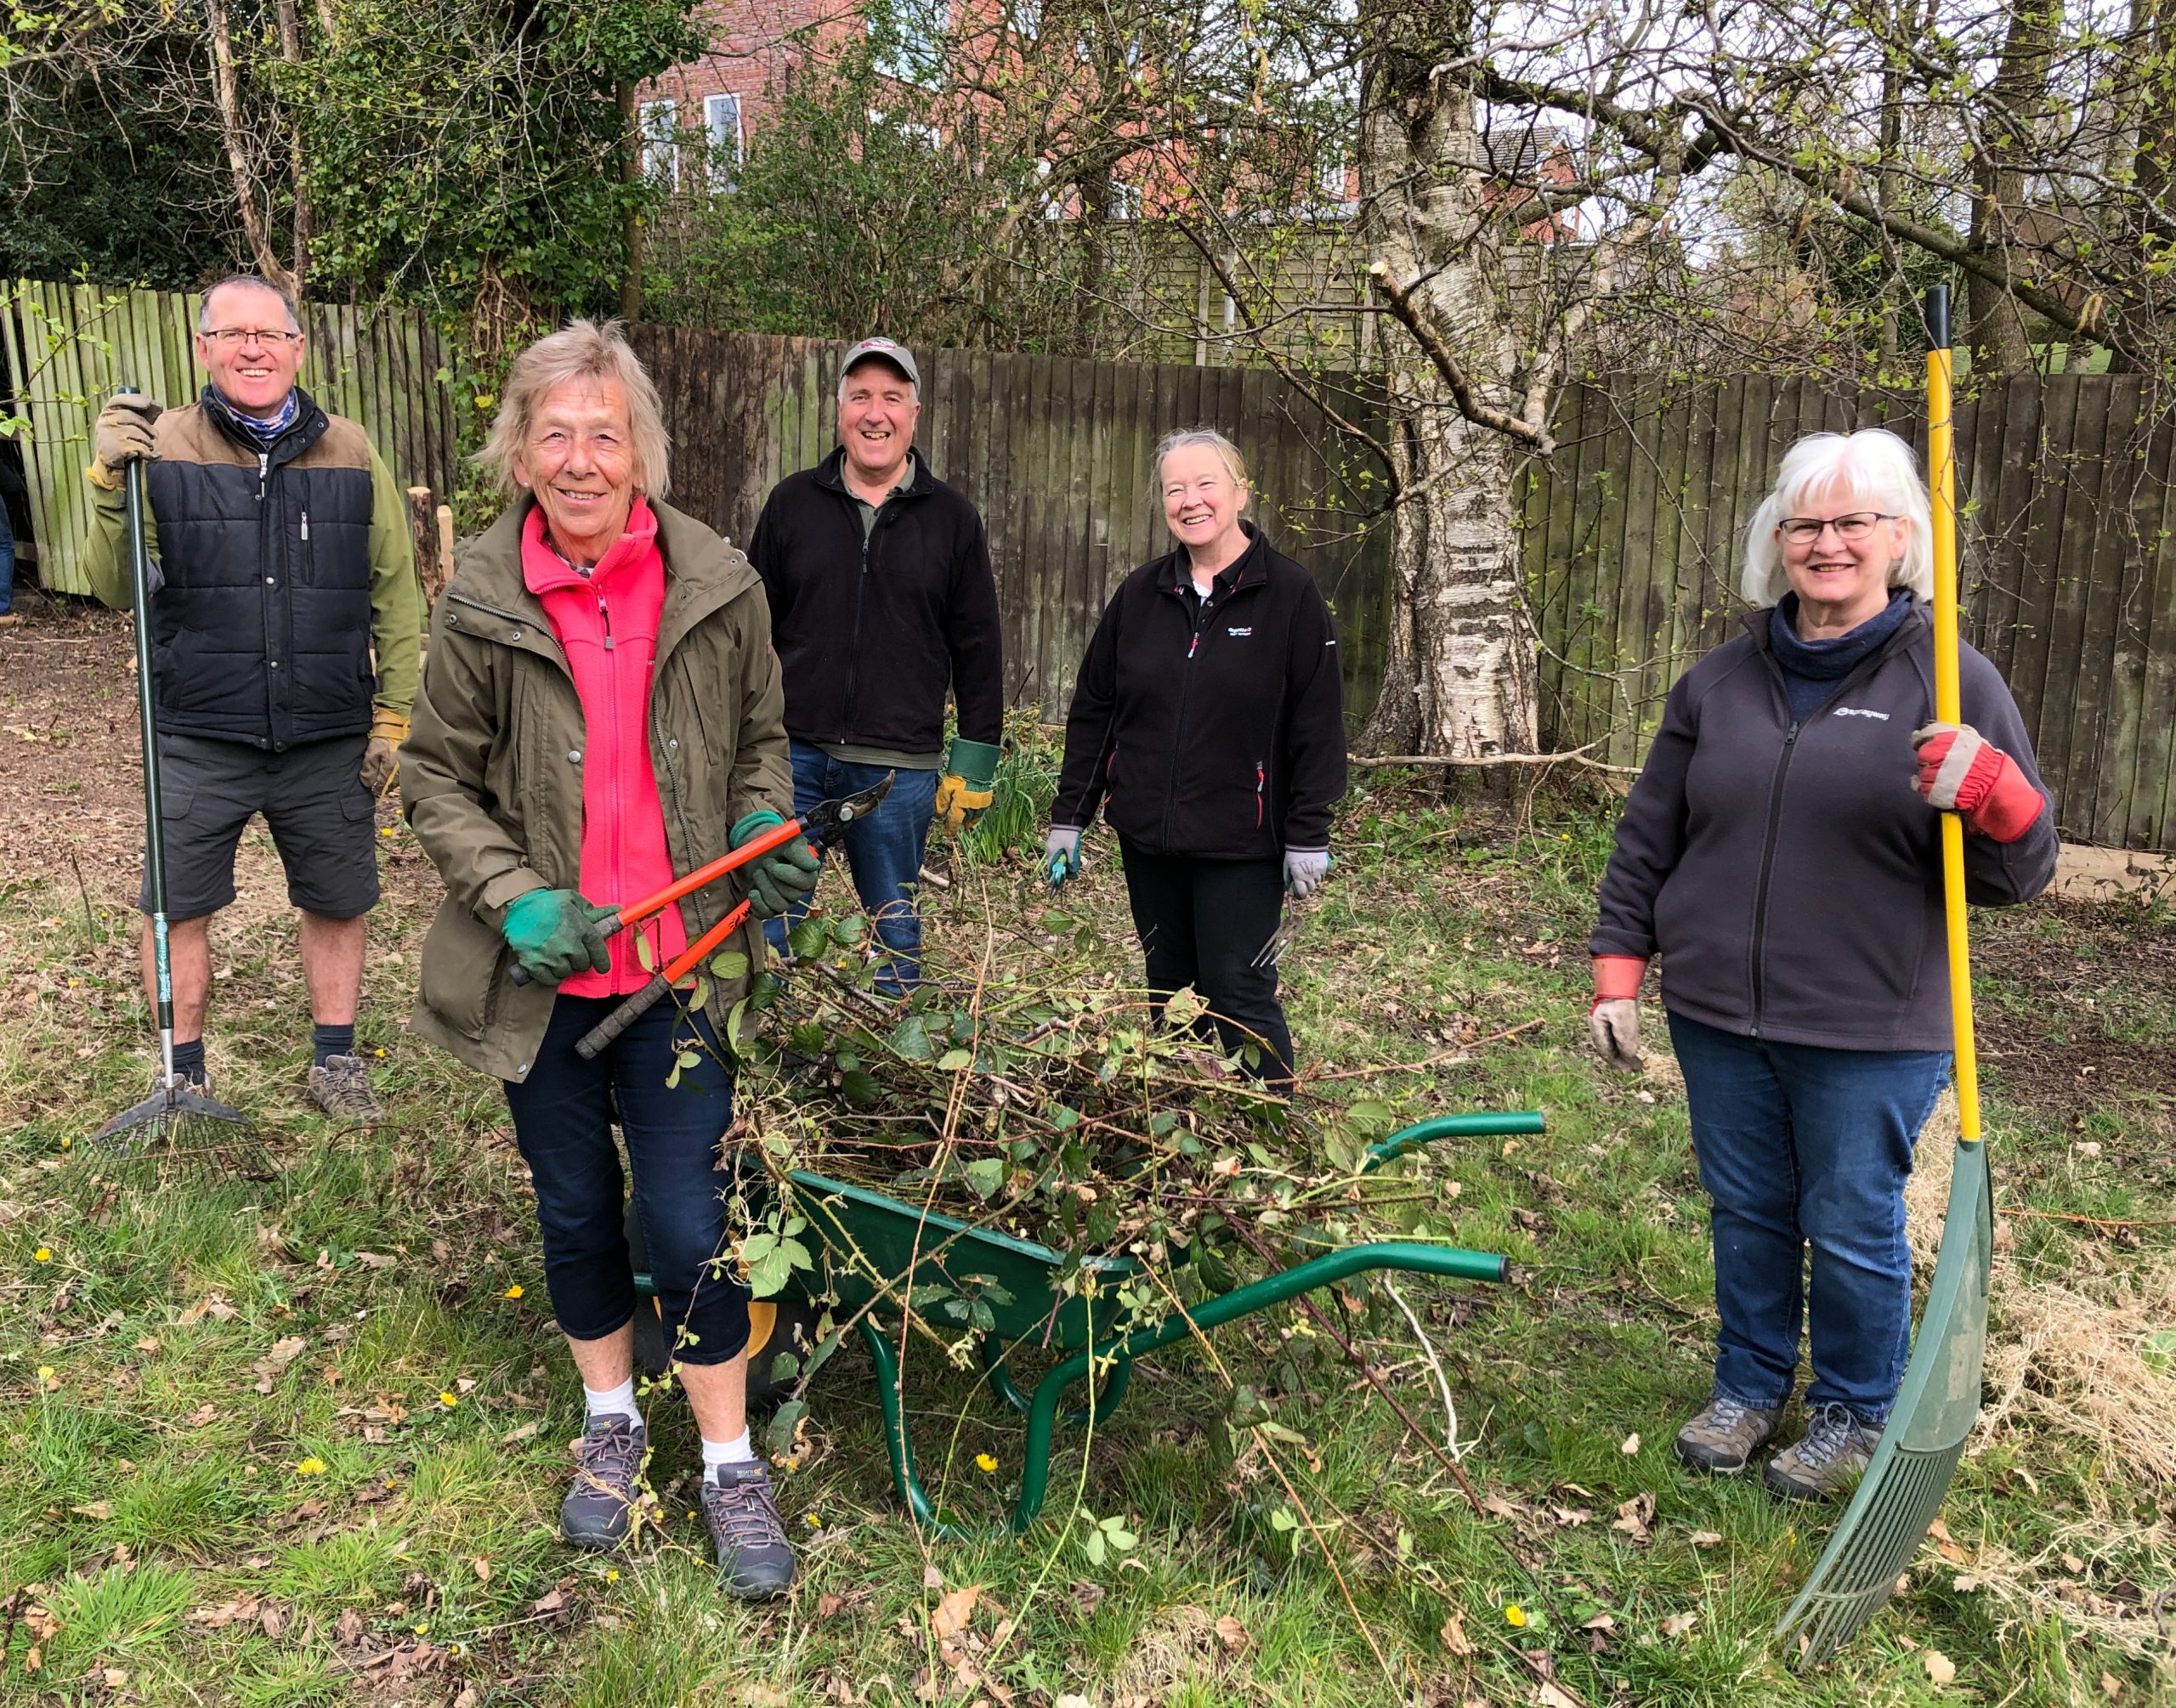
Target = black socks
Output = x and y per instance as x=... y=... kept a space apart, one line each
x=324 y=1041
x=189 y=1060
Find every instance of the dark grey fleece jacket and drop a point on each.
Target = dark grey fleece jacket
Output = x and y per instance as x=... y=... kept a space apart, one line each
x=1788 y=873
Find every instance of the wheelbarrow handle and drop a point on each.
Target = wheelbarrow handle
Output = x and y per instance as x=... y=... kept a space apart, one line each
x=1485 y=1125
x=703 y=876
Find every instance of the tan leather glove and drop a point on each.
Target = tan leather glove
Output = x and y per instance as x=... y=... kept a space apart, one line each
x=382 y=758
x=123 y=432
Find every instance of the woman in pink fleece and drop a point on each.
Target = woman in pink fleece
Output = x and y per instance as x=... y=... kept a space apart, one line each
x=601 y=711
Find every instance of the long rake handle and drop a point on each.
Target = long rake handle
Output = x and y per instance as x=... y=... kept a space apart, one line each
x=155 y=840
x=1941 y=460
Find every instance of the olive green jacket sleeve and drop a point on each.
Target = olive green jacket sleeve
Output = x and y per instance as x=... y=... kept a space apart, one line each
x=105 y=552
x=396 y=600
x=445 y=764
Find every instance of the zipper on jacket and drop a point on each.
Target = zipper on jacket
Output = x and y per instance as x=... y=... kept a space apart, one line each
x=1179 y=724
x=1753 y=967
x=305 y=528
x=1259 y=778
x=853 y=644
x=264 y=469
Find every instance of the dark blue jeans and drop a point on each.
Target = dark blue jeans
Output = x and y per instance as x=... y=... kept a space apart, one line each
x=562 y=1116
x=883 y=852
x=1801 y=1146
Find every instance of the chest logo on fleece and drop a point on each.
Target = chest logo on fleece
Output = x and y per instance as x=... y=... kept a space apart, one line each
x=1860 y=712
x=1240 y=634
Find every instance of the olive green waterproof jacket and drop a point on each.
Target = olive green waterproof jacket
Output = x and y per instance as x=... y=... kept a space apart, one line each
x=491 y=775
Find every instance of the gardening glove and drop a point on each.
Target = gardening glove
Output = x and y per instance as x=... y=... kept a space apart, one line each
x=782 y=877
x=1305 y=868
x=965 y=789
x=553 y=933
x=1061 y=854
x=122 y=433
x=380 y=759
x=1613 y=1022
x=1960 y=772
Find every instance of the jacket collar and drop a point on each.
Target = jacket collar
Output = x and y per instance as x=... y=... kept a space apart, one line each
x=1919 y=621
x=702 y=575
x=830 y=473
x=1248 y=569
x=308 y=426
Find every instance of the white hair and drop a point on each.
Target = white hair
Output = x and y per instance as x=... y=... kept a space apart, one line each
x=581 y=350
x=1235 y=464
x=1873 y=466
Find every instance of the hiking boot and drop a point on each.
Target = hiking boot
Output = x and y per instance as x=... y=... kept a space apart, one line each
x=1830 y=1460
x=1725 y=1434
x=599 y=1509
x=340 y=1089
x=755 y=1559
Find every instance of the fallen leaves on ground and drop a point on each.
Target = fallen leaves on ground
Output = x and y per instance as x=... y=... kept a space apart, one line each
x=1635 y=1517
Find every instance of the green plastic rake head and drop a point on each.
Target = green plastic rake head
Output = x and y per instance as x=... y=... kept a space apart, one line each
x=1903 y=1487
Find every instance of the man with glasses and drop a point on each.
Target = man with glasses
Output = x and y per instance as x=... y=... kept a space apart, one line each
x=284 y=614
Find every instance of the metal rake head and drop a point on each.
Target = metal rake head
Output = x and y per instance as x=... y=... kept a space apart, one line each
x=161 y=1115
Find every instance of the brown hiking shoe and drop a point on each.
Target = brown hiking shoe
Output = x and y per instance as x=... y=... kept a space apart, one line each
x=1725 y=1433
x=1830 y=1460
x=339 y=1088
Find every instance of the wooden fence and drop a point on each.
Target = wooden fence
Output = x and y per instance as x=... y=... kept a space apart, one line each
x=1055 y=454
x=1634 y=540
x=68 y=346
x=1632 y=537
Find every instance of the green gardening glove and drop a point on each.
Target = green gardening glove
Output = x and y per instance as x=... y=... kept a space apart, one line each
x=965 y=789
x=554 y=934
x=782 y=877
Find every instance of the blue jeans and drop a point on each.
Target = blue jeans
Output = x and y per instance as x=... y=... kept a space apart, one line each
x=883 y=852
x=562 y=1116
x=1804 y=1146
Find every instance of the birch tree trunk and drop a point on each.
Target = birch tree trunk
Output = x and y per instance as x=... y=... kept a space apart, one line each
x=1460 y=678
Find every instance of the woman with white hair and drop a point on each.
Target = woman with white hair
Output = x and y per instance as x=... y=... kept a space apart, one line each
x=1208 y=723
x=1779 y=854
x=600 y=712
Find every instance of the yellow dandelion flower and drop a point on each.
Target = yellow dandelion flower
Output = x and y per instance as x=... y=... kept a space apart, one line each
x=420 y=1629
x=1515 y=1615
x=983 y=1461
x=612 y=1574
x=312 y=1466
x=813 y=1519
x=45 y=1373
x=513 y=1292
x=44 y=1254
x=448 y=1399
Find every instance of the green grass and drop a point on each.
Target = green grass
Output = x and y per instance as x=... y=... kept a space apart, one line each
x=222 y=1520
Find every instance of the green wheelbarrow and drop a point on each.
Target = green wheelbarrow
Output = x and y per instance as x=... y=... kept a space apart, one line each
x=880 y=1254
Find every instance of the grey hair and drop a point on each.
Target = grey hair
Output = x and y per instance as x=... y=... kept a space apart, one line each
x=1235 y=464
x=582 y=350
x=1874 y=464
x=286 y=302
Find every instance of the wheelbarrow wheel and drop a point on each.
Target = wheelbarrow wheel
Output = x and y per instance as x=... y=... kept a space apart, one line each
x=784 y=1324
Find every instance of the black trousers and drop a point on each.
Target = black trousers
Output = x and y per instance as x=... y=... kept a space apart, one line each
x=1202 y=922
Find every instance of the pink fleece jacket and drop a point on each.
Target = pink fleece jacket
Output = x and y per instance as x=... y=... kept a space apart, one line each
x=606 y=624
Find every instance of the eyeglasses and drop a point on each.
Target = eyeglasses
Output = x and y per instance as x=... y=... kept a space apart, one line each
x=1855 y=526
x=231 y=335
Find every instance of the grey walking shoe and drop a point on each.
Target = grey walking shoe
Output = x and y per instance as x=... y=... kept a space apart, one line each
x=340 y=1089
x=1725 y=1434
x=755 y=1558
x=599 y=1509
x=1828 y=1461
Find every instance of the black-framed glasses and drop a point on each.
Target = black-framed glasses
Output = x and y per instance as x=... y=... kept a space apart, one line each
x=231 y=335
x=1854 y=526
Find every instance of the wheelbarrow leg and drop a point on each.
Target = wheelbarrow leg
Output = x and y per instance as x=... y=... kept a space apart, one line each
x=1001 y=1383
x=895 y=1425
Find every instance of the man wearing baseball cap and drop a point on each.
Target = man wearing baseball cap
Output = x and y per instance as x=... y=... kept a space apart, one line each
x=881 y=602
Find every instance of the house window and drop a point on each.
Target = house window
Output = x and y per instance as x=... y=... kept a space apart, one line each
x=1124 y=201
x=722 y=125
x=909 y=38
x=661 y=130
x=1028 y=18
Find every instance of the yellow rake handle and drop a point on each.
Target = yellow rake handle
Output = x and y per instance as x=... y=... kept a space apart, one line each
x=1941 y=467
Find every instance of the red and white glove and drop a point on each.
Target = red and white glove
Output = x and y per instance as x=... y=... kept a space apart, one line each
x=1960 y=772
x=1613 y=1022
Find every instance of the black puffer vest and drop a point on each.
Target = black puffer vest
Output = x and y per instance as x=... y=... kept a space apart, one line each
x=261 y=630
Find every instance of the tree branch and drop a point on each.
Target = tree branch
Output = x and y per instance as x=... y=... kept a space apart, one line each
x=1444 y=360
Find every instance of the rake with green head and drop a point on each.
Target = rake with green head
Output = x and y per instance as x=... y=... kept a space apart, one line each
x=1903 y=1487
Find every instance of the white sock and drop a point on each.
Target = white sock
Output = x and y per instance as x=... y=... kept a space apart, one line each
x=737 y=1452
x=614 y=1402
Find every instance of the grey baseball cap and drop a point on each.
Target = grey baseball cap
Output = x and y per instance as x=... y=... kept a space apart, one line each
x=884 y=350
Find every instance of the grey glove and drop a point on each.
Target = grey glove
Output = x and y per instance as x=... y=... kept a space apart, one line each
x=1305 y=868
x=1614 y=1026
x=123 y=431
x=1061 y=854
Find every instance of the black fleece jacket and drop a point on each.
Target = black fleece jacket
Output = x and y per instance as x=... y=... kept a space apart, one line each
x=1786 y=871
x=1210 y=727
x=871 y=629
